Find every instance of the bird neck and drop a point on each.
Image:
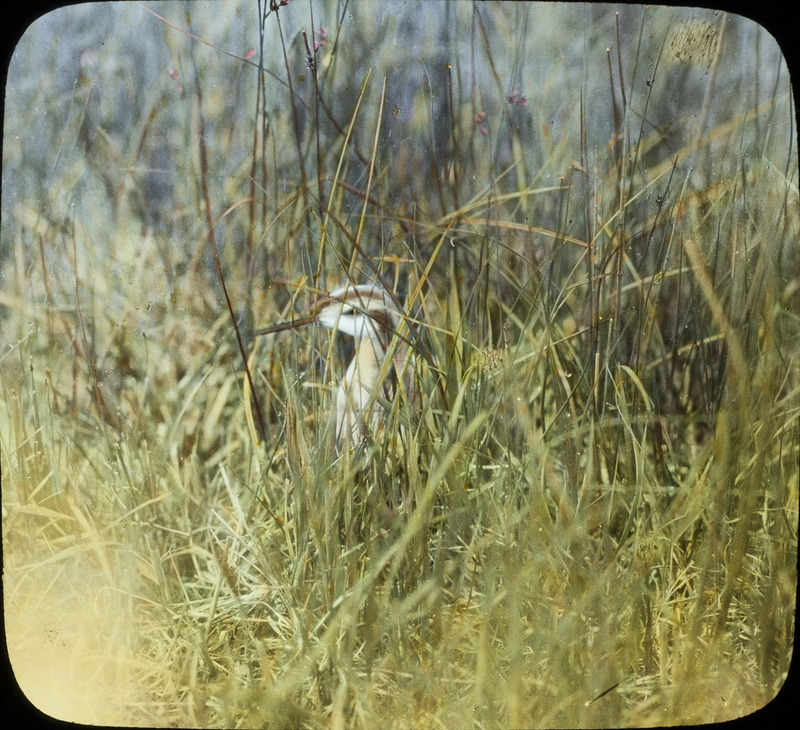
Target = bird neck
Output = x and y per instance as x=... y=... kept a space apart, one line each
x=365 y=368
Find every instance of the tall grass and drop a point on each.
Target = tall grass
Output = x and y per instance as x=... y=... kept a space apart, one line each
x=580 y=512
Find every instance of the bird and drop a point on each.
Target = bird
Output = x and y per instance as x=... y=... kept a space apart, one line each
x=368 y=314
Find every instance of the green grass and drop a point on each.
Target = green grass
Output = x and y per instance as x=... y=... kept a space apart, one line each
x=584 y=511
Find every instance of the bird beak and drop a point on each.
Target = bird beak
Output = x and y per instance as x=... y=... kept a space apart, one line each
x=291 y=324
x=319 y=304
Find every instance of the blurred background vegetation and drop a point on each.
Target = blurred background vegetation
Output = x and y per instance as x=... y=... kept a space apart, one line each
x=591 y=215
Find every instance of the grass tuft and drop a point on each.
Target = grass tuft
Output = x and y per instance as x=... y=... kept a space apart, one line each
x=581 y=506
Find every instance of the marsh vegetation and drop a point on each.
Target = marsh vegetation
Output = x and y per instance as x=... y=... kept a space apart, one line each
x=584 y=512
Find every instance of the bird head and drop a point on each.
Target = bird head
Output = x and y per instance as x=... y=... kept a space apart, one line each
x=360 y=311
